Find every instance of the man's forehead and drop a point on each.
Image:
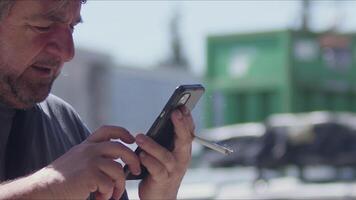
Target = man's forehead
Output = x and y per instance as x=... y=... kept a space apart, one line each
x=55 y=17
x=57 y=10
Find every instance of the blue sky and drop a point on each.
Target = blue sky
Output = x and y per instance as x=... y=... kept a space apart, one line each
x=135 y=33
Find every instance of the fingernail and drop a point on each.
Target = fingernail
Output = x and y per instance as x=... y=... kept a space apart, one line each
x=140 y=139
x=179 y=114
x=137 y=171
x=185 y=110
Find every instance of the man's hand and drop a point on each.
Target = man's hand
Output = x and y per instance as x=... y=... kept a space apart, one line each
x=90 y=166
x=166 y=169
x=86 y=168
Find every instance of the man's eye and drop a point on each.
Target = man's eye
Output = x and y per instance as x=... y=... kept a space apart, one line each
x=42 y=28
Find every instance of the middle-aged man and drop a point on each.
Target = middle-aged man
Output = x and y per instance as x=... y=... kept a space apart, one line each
x=46 y=152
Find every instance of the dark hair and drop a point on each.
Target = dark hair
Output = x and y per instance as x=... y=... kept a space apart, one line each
x=5 y=6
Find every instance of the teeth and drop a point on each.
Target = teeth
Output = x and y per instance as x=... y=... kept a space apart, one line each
x=40 y=66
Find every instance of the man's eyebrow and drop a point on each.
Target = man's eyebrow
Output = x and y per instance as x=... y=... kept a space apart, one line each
x=54 y=18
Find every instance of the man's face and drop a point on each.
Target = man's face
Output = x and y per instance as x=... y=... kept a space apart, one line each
x=35 y=41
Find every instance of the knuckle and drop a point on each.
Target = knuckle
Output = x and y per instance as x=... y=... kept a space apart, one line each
x=120 y=186
x=171 y=164
x=168 y=157
x=107 y=196
x=123 y=151
x=118 y=167
x=92 y=183
x=186 y=162
x=122 y=129
x=158 y=171
x=103 y=128
x=165 y=174
x=106 y=186
x=110 y=185
x=83 y=148
x=89 y=149
x=192 y=129
x=92 y=187
x=110 y=127
x=171 y=168
x=117 y=145
x=161 y=174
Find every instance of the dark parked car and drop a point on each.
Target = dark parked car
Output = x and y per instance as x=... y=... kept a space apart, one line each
x=299 y=140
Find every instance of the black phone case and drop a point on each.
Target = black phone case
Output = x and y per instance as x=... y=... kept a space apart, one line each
x=162 y=130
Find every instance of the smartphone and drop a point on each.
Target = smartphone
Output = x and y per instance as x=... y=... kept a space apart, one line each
x=162 y=130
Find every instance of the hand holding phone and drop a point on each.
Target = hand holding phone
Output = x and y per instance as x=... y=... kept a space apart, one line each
x=162 y=130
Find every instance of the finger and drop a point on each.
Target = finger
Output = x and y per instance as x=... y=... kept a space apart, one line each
x=154 y=167
x=105 y=186
x=157 y=151
x=115 y=171
x=114 y=150
x=188 y=118
x=118 y=191
x=105 y=133
x=112 y=169
x=99 y=196
x=184 y=131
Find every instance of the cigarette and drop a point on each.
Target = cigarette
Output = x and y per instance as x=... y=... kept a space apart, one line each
x=213 y=145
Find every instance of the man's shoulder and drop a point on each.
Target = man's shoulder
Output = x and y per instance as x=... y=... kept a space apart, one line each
x=54 y=102
x=59 y=110
x=57 y=107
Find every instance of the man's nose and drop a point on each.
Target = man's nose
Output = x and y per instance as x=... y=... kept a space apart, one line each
x=61 y=44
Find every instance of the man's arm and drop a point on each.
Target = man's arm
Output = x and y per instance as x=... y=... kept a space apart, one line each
x=86 y=168
x=26 y=187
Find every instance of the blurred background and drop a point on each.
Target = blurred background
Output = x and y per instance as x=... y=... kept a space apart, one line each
x=280 y=80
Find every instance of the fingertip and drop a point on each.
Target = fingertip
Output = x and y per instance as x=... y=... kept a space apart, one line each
x=136 y=170
x=177 y=114
x=117 y=191
x=130 y=139
x=140 y=138
x=139 y=135
x=184 y=110
x=99 y=196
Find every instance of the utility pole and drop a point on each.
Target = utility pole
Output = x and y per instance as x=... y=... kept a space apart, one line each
x=305 y=15
x=176 y=58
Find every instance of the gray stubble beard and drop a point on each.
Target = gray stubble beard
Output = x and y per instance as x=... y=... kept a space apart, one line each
x=20 y=94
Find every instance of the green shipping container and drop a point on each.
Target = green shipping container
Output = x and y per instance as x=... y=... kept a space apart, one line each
x=250 y=76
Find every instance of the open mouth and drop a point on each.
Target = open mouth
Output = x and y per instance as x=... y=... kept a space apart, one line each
x=41 y=69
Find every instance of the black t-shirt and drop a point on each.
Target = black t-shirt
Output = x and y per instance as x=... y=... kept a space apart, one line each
x=50 y=129
x=6 y=116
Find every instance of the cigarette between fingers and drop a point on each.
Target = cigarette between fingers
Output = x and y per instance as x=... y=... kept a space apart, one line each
x=214 y=146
